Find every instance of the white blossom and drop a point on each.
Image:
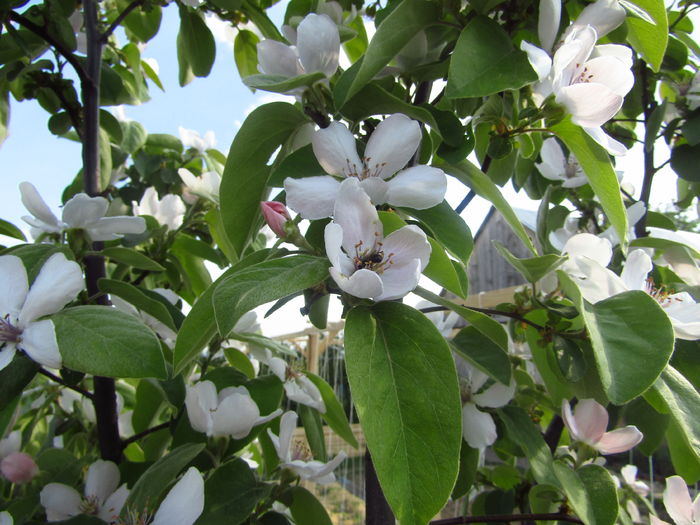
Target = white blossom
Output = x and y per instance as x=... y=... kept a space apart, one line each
x=680 y=507
x=555 y=166
x=168 y=211
x=205 y=186
x=297 y=386
x=192 y=139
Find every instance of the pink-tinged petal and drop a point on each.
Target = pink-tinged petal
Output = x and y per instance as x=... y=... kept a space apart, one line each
x=611 y=72
x=589 y=246
x=39 y=342
x=82 y=210
x=656 y=521
x=36 y=205
x=677 y=501
x=392 y=145
x=318 y=44
x=495 y=396
x=18 y=467
x=591 y=420
x=60 y=501
x=185 y=501
x=7 y=354
x=335 y=150
x=102 y=480
x=419 y=187
x=610 y=145
x=603 y=15
x=637 y=267
x=113 y=505
x=569 y=420
x=619 y=440
x=58 y=283
x=405 y=244
x=539 y=59
x=364 y=283
x=312 y=197
x=399 y=279
x=353 y=210
x=13 y=285
x=590 y=104
x=478 y=428
x=275 y=58
x=548 y=22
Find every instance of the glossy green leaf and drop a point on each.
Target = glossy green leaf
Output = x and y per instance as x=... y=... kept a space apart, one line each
x=441 y=271
x=313 y=429
x=197 y=42
x=245 y=52
x=245 y=176
x=575 y=491
x=684 y=161
x=602 y=493
x=143 y=23
x=533 y=268
x=483 y=353
x=648 y=39
x=468 y=465
x=306 y=509
x=485 y=62
x=392 y=349
x=334 y=415
x=14 y=377
x=149 y=400
x=138 y=298
x=595 y=162
x=106 y=342
x=132 y=258
x=448 y=228
x=9 y=229
x=134 y=136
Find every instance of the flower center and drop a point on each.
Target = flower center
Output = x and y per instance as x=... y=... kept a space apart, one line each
x=661 y=295
x=301 y=452
x=572 y=168
x=583 y=77
x=8 y=332
x=90 y=505
x=370 y=171
x=134 y=518
x=372 y=259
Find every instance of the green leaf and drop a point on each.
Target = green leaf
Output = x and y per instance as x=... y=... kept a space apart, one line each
x=186 y=244
x=334 y=414
x=149 y=399
x=9 y=229
x=280 y=83
x=602 y=493
x=134 y=136
x=34 y=256
x=485 y=62
x=306 y=509
x=626 y=329
x=468 y=465
x=240 y=361
x=483 y=353
x=239 y=293
x=648 y=39
x=106 y=342
x=246 y=173
x=533 y=268
x=138 y=298
x=595 y=162
x=4 y=111
x=147 y=491
x=448 y=228
x=575 y=492
x=143 y=23
x=395 y=31
x=245 y=53
x=441 y=270
x=197 y=41
x=132 y=258
x=105 y=159
x=231 y=493
x=391 y=349
x=14 y=377
x=483 y=186
x=313 y=428
x=650 y=423
x=684 y=161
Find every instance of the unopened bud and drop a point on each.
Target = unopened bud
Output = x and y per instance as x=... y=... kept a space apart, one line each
x=276 y=216
x=18 y=467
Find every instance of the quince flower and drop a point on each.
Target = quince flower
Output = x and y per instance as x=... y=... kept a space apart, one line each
x=297 y=386
x=555 y=166
x=104 y=497
x=80 y=212
x=364 y=263
x=16 y=466
x=231 y=412
x=680 y=507
x=588 y=257
x=601 y=15
x=205 y=186
x=629 y=476
x=192 y=139
x=478 y=428
x=168 y=211
x=588 y=422
x=298 y=457
x=390 y=147
x=276 y=216
x=21 y=306
x=317 y=49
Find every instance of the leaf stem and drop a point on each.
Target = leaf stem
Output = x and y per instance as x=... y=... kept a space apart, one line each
x=60 y=381
x=495 y=518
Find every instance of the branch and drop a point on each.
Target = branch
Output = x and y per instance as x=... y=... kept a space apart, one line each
x=60 y=381
x=494 y=518
x=465 y=201
x=648 y=105
x=140 y=435
x=42 y=33
x=553 y=432
x=485 y=311
x=120 y=18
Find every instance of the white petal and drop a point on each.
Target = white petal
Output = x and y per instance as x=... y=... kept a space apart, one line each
x=60 y=501
x=591 y=420
x=611 y=145
x=407 y=243
x=611 y=72
x=10 y=444
x=278 y=367
x=392 y=145
x=575 y=50
x=376 y=189
x=318 y=44
x=399 y=279
x=113 y=505
x=185 y=501
x=13 y=285
x=201 y=400
x=677 y=501
x=6 y=518
x=39 y=342
x=548 y=22
x=335 y=150
x=275 y=58
x=36 y=205
x=575 y=182
x=478 y=428
x=622 y=53
x=172 y=211
x=235 y=416
x=569 y=420
x=288 y=424
x=553 y=160
x=629 y=474
x=364 y=283
x=539 y=59
x=495 y=396
x=603 y=15
x=312 y=197
x=590 y=104
x=595 y=282
x=59 y=282
x=82 y=210
x=419 y=187
x=619 y=440
x=637 y=267
x=590 y=246
x=329 y=467
x=303 y=391
x=102 y=480
x=110 y=228
x=353 y=210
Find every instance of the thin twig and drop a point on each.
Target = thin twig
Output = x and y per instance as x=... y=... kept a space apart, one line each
x=126 y=442
x=60 y=381
x=494 y=518
x=465 y=201
x=120 y=18
x=486 y=311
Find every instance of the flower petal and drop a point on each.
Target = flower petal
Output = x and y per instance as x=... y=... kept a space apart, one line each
x=276 y=58
x=13 y=285
x=39 y=342
x=303 y=391
x=82 y=210
x=391 y=145
x=335 y=150
x=358 y=218
x=619 y=440
x=59 y=282
x=553 y=163
x=113 y=505
x=376 y=189
x=101 y=481
x=288 y=422
x=569 y=420
x=590 y=104
x=611 y=72
x=6 y=518
x=201 y=400
x=399 y=279
x=611 y=145
x=539 y=59
x=595 y=282
x=235 y=416
x=591 y=420
x=478 y=428
x=495 y=396
x=419 y=187
x=589 y=246
x=364 y=283
x=407 y=243
x=11 y=443
x=60 y=501
x=602 y=15
x=36 y=206
x=318 y=44
x=637 y=267
x=677 y=501
x=110 y=228
x=312 y=197
x=185 y=501
x=548 y=22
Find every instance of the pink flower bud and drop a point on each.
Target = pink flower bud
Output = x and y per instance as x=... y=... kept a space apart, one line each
x=275 y=215
x=18 y=467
